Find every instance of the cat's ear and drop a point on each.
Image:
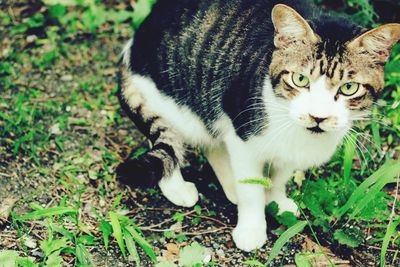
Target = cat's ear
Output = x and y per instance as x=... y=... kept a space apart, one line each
x=290 y=26
x=378 y=42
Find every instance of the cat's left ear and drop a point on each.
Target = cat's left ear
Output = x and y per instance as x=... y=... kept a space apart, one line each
x=290 y=27
x=377 y=42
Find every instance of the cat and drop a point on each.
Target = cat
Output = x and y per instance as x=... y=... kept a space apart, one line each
x=251 y=83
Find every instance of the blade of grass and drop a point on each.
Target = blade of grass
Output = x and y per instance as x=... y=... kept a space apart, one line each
x=349 y=152
x=130 y=245
x=117 y=232
x=47 y=213
x=389 y=170
x=142 y=243
x=375 y=128
x=391 y=230
x=117 y=201
x=284 y=238
x=106 y=229
x=83 y=255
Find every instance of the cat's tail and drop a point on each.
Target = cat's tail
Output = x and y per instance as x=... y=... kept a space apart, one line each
x=167 y=149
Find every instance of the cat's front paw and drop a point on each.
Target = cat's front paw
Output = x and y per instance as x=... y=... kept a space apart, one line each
x=248 y=238
x=183 y=194
x=285 y=204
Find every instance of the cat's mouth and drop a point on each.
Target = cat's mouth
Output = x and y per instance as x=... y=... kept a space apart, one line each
x=316 y=129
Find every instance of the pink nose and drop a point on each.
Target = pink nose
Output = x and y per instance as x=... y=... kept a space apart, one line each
x=317 y=119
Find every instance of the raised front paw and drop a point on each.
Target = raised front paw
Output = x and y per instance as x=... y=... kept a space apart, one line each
x=249 y=238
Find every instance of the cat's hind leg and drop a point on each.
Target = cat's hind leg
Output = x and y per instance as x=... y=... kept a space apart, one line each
x=161 y=164
x=218 y=158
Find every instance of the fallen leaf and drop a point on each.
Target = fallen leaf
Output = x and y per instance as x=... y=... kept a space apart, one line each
x=5 y=209
x=29 y=241
x=109 y=71
x=326 y=257
x=173 y=248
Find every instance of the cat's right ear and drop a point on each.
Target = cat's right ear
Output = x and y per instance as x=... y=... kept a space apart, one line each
x=377 y=42
x=290 y=26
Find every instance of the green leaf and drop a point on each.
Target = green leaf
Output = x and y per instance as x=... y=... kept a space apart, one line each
x=8 y=258
x=56 y=11
x=302 y=260
x=178 y=217
x=47 y=213
x=287 y=218
x=54 y=260
x=83 y=255
x=265 y=182
x=351 y=237
x=166 y=264
x=391 y=230
x=130 y=245
x=25 y=262
x=60 y=2
x=117 y=232
x=106 y=229
x=254 y=263
x=142 y=10
x=117 y=201
x=53 y=245
x=142 y=243
x=139 y=152
x=284 y=238
x=191 y=255
x=320 y=198
x=368 y=189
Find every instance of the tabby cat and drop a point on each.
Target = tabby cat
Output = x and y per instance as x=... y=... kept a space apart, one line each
x=251 y=82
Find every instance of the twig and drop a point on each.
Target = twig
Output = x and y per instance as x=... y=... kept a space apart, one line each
x=145 y=228
x=191 y=233
x=162 y=230
x=28 y=86
x=378 y=248
x=206 y=232
x=211 y=219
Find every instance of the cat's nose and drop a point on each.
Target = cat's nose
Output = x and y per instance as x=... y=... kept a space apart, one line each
x=317 y=119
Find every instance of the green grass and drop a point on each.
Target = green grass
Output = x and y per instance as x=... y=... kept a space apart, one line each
x=61 y=130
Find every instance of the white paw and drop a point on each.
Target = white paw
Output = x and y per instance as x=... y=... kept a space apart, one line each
x=250 y=238
x=285 y=204
x=183 y=194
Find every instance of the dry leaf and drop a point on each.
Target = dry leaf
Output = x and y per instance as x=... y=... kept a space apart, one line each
x=309 y=247
x=5 y=208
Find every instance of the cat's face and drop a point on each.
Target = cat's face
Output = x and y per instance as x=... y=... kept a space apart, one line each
x=327 y=84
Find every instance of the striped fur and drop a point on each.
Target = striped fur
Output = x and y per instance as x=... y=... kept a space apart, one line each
x=166 y=153
x=219 y=75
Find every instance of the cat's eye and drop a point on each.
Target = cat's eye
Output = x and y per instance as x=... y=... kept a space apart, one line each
x=349 y=89
x=300 y=80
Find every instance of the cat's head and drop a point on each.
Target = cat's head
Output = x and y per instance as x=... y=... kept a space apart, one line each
x=327 y=75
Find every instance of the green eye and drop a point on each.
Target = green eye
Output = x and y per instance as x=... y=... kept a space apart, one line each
x=300 y=80
x=349 y=89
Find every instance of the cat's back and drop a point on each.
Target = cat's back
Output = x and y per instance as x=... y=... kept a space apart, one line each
x=174 y=30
